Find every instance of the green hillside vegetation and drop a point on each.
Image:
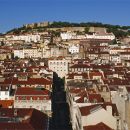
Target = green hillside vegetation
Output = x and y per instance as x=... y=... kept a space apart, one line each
x=119 y=31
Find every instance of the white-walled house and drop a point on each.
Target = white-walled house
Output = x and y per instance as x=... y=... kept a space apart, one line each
x=122 y=100
x=73 y=48
x=59 y=65
x=5 y=92
x=109 y=36
x=33 y=98
x=81 y=97
x=94 y=114
x=19 y=53
x=28 y=53
x=115 y=58
x=27 y=37
x=68 y=35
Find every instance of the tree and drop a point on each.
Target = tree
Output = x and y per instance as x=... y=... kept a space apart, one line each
x=86 y=29
x=16 y=58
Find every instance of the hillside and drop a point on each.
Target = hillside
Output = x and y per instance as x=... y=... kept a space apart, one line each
x=119 y=31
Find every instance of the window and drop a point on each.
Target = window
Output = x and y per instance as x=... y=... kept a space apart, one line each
x=23 y=98
x=95 y=100
x=6 y=93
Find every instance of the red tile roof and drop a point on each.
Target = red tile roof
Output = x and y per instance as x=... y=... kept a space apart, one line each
x=92 y=74
x=31 y=91
x=87 y=109
x=6 y=103
x=71 y=75
x=80 y=66
x=30 y=81
x=117 y=81
x=91 y=98
x=99 y=126
x=32 y=119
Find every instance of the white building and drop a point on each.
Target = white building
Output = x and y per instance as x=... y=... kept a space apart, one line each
x=30 y=53
x=4 y=92
x=109 y=36
x=59 y=65
x=33 y=98
x=94 y=114
x=115 y=58
x=27 y=37
x=68 y=35
x=122 y=100
x=74 y=48
x=19 y=53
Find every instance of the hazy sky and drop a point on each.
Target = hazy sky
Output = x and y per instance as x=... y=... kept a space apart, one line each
x=15 y=13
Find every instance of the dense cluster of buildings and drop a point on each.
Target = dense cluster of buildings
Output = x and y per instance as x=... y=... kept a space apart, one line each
x=96 y=72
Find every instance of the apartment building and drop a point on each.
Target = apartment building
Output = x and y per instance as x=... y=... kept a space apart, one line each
x=59 y=65
x=33 y=98
x=27 y=38
x=28 y=53
x=108 y=36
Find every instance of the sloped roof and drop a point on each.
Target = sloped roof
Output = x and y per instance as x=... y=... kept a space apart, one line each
x=32 y=119
x=31 y=91
x=99 y=126
x=86 y=110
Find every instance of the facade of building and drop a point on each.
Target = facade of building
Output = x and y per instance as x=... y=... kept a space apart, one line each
x=27 y=38
x=59 y=65
x=33 y=98
x=109 y=36
x=5 y=92
x=92 y=115
x=28 y=53
x=73 y=49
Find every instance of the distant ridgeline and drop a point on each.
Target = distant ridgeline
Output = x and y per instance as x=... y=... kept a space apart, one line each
x=119 y=31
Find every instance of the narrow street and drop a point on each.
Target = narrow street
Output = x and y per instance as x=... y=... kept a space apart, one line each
x=60 y=116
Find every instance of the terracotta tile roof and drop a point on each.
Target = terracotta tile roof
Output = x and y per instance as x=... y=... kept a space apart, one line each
x=87 y=109
x=14 y=126
x=124 y=53
x=91 y=98
x=117 y=81
x=30 y=81
x=27 y=119
x=76 y=90
x=99 y=126
x=6 y=103
x=71 y=75
x=31 y=91
x=92 y=74
x=101 y=66
x=82 y=60
x=80 y=66
x=95 y=98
